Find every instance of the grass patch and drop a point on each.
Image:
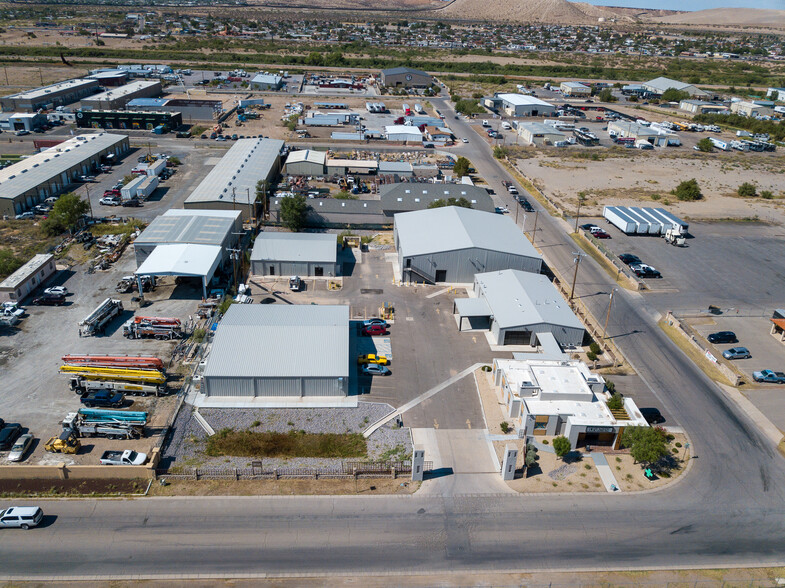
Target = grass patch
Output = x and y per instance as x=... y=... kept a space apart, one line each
x=696 y=356
x=25 y=238
x=291 y=444
x=125 y=228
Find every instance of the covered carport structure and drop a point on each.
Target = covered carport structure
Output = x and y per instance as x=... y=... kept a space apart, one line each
x=181 y=259
x=476 y=312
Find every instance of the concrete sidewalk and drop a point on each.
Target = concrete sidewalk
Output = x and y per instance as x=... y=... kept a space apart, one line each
x=606 y=474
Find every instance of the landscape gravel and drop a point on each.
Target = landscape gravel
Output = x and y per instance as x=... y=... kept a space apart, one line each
x=186 y=441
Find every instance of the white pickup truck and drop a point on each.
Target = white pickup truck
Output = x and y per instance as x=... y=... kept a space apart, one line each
x=127 y=457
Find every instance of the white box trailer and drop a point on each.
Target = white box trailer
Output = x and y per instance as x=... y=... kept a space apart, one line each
x=643 y=224
x=656 y=226
x=620 y=219
x=147 y=187
x=681 y=226
x=129 y=190
x=155 y=168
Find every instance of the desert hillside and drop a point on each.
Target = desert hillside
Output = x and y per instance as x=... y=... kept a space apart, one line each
x=728 y=17
x=544 y=11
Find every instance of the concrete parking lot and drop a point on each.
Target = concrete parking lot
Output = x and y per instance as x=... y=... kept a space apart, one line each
x=717 y=267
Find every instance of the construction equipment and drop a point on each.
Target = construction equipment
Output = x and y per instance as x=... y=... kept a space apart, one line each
x=129 y=361
x=122 y=374
x=163 y=328
x=80 y=385
x=96 y=321
x=66 y=442
x=113 y=424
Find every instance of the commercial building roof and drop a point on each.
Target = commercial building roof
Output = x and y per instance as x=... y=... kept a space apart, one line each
x=302 y=247
x=403 y=130
x=108 y=74
x=37 y=169
x=307 y=155
x=203 y=227
x=522 y=298
x=661 y=84
x=630 y=129
x=44 y=90
x=452 y=228
x=403 y=70
x=537 y=128
x=266 y=79
x=576 y=85
x=236 y=175
x=121 y=91
x=181 y=259
x=353 y=163
x=259 y=340
x=395 y=167
x=523 y=100
x=411 y=196
x=33 y=265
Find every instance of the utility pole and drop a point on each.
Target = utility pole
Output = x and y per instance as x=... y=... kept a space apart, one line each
x=577 y=262
x=234 y=254
x=234 y=200
x=534 y=232
x=90 y=202
x=250 y=205
x=608 y=316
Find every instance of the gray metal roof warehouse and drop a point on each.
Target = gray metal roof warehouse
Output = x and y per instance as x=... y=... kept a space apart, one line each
x=32 y=180
x=231 y=185
x=451 y=244
x=120 y=96
x=57 y=94
x=195 y=227
x=284 y=351
x=302 y=254
x=409 y=196
x=518 y=305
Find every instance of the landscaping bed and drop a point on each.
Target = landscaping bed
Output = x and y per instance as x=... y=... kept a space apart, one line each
x=41 y=487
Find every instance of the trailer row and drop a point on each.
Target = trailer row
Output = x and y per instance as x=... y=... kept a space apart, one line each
x=635 y=220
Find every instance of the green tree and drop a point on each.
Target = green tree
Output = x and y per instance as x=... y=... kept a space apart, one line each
x=561 y=445
x=674 y=95
x=747 y=190
x=440 y=203
x=606 y=95
x=468 y=107
x=293 y=212
x=531 y=456
x=65 y=214
x=9 y=262
x=500 y=152
x=647 y=445
x=615 y=402
x=688 y=191
x=461 y=166
x=705 y=145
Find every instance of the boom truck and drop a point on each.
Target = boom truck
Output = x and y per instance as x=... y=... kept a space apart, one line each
x=162 y=328
x=113 y=424
x=96 y=321
x=146 y=376
x=130 y=361
x=140 y=376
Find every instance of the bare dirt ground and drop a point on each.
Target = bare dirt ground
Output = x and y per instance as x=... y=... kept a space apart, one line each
x=645 y=178
x=362 y=486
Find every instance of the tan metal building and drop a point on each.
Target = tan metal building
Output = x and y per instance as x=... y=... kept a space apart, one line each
x=27 y=278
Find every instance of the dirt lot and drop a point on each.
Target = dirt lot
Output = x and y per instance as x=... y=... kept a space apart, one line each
x=54 y=488
x=646 y=179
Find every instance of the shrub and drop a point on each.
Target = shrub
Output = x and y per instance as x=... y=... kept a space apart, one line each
x=504 y=426
x=615 y=402
x=544 y=441
x=688 y=191
x=199 y=335
x=595 y=348
x=591 y=356
x=766 y=195
x=705 y=145
x=610 y=386
x=561 y=445
x=747 y=190
x=677 y=444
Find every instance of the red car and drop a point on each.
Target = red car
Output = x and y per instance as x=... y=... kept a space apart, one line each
x=374 y=330
x=600 y=234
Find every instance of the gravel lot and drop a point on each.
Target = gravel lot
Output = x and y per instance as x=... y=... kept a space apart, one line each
x=187 y=438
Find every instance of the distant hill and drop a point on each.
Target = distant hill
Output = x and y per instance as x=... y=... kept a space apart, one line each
x=727 y=17
x=543 y=11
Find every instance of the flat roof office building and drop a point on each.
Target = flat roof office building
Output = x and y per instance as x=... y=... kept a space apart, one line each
x=118 y=97
x=53 y=95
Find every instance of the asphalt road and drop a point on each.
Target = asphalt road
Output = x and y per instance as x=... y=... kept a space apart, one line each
x=728 y=509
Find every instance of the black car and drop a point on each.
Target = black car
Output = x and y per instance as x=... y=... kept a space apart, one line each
x=525 y=204
x=132 y=202
x=652 y=416
x=103 y=398
x=644 y=271
x=8 y=435
x=723 y=337
x=629 y=258
x=50 y=300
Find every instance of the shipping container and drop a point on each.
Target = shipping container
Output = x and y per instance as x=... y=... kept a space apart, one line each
x=620 y=220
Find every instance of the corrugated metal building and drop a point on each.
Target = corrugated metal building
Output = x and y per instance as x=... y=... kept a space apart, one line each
x=295 y=254
x=265 y=81
x=305 y=162
x=515 y=306
x=334 y=213
x=407 y=197
x=452 y=244
x=522 y=105
x=285 y=351
x=231 y=185
x=405 y=77
x=58 y=94
x=32 y=180
x=118 y=97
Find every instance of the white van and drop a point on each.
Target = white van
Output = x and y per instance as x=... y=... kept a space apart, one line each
x=485 y=123
x=506 y=125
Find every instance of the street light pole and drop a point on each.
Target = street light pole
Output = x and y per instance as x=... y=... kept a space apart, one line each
x=575 y=275
x=534 y=231
x=89 y=202
x=608 y=316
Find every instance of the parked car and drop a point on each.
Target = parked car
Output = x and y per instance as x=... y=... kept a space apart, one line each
x=8 y=435
x=644 y=271
x=25 y=215
x=590 y=227
x=372 y=358
x=22 y=132
x=295 y=283
x=723 y=337
x=87 y=179
x=49 y=300
x=102 y=398
x=600 y=234
x=21 y=447
x=375 y=321
x=132 y=203
x=525 y=204
x=736 y=353
x=629 y=258
x=110 y=201
x=375 y=370
x=374 y=330
x=21 y=517
x=57 y=290
x=769 y=376
x=464 y=139
x=652 y=416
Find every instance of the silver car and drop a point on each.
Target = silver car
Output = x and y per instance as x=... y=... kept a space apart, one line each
x=736 y=353
x=21 y=447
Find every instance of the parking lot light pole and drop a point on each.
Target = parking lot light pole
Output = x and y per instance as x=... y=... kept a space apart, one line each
x=608 y=316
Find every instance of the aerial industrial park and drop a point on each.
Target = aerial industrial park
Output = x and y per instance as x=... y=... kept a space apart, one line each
x=433 y=299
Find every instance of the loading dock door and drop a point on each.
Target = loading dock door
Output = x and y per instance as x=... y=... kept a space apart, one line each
x=517 y=337
x=318 y=271
x=441 y=276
